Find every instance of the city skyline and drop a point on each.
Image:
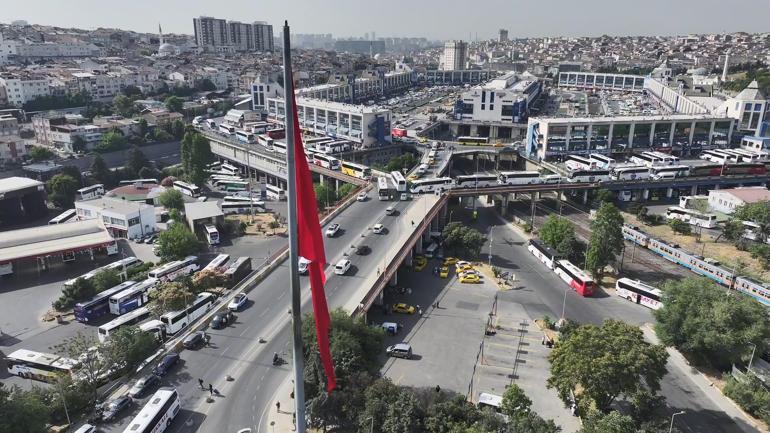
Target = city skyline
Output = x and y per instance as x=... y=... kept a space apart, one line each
x=400 y=18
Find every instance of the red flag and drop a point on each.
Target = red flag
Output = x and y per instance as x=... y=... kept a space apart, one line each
x=311 y=247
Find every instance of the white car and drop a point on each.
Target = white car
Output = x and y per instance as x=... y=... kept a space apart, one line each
x=342 y=267
x=390 y=210
x=378 y=229
x=238 y=302
x=302 y=265
x=332 y=230
x=362 y=196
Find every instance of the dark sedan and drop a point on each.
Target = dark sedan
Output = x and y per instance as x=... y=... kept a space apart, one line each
x=114 y=407
x=222 y=319
x=363 y=250
x=194 y=340
x=166 y=363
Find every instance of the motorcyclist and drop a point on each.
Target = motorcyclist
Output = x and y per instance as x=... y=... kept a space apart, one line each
x=275 y=357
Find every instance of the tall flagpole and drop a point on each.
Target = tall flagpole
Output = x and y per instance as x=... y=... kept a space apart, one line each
x=296 y=313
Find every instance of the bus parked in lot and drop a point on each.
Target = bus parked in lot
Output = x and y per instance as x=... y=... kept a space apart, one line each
x=275 y=192
x=238 y=270
x=692 y=216
x=187 y=188
x=66 y=216
x=91 y=192
x=326 y=161
x=99 y=305
x=133 y=297
x=172 y=270
x=175 y=321
x=219 y=261
x=212 y=234
x=131 y=318
x=38 y=365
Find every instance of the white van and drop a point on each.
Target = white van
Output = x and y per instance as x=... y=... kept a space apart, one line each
x=86 y=428
x=431 y=250
x=302 y=265
x=342 y=267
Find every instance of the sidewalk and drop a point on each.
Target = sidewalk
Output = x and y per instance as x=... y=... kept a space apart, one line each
x=280 y=421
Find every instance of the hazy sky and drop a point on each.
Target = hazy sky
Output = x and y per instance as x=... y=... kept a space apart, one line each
x=434 y=19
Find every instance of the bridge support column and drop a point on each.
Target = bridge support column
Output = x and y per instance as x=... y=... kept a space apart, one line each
x=646 y=194
x=537 y=195
x=418 y=247
x=321 y=178
x=669 y=192
x=393 y=281
x=504 y=205
x=585 y=197
x=336 y=185
x=694 y=190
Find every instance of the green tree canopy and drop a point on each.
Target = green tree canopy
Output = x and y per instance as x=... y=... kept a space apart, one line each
x=22 y=411
x=136 y=160
x=461 y=238
x=196 y=154
x=324 y=195
x=100 y=171
x=171 y=296
x=515 y=401
x=106 y=279
x=123 y=105
x=73 y=172
x=79 y=144
x=700 y=320
x=93 y=364
x=40 y=153
x=177 y=242
x=177 y=128
x=79 y=290
x=559 y=234
x=128 y=347
x=63 y=189
x=171 y=199
x=174 y=103
x=606 y=239
x=111 y=141
x=679 y=226
x=612 y=422
x=605 y=362
x=344 y=190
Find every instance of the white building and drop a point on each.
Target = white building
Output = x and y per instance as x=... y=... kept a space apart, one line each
x=218 y=35
x=123 y=219
x=750 y=107
x=366 y=126
x=504 y=99
x=22 y=88
x=727 y=200
x=455 y=55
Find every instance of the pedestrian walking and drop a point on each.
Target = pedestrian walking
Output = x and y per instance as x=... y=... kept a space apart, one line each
x=419 y=311
x=211 y=389
x=277 y=406
x=208 y=339
x=200 y=383
x=437 y=305
x=438 y=388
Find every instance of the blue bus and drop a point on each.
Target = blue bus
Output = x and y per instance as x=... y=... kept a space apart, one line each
x=132 y=298
x=99 y=305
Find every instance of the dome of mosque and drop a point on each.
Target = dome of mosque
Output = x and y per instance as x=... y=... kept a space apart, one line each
x=166 y=48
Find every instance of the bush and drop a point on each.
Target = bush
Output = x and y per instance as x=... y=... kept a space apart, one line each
x=679 y=226
x=750 y=395
x=139 y=273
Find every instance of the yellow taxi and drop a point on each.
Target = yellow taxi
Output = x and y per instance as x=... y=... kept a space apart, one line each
x=470 y=279
x=463 y=266
x=403 y=308
x=443 y=272
x=412 y=177
x=449 y=261
x=422 y=140
x=418 y=266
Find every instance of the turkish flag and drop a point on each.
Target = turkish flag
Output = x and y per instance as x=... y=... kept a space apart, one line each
x=311 y=247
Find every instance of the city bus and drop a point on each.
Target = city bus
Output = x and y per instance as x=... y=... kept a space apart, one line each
x=518 y=178
x=589 y=176
x=692 y=216
x=99 y=305
x=38 y=365
x=220 y=261
x=639 y=293
x=172 y=270
x=187 y=188
x=133 y=297
x=175 y=321
x=275 y=192
x=575 y=277
x=630 y=173
x=420 y=186
x=575 y=162
x=602 y=161
x=383 y=190
x=326 y=161
x=131 y=318
x=476 y=181
x=91 y=192
x=245 y=136
x=238 y=270
x=398 y=180
x=229 y=169
x=473 y=141
x=67 y=215
x=233 y=185
x=543 y=252
x=356 y=170
x=212 y=234
x=157 y=415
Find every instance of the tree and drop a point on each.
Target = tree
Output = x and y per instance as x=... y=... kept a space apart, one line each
x=136 y=160
x=515 y=401
x=22 y=411
x=63 y=189
x=106 y=279
x=324 y=195
x=196 y=153
x=128 y=347
x=178 y=128
x=344 y=190
x=143 y=127
x=612 y=422
x=758 y=212
x=274 y=224
x=750 y=394
x=606 y=239
x=733 y=230
x=699 y=320
x=80 y=289
x=39 y=153
x=174 y=104
x=132 y=91
x=171 y=296
x=112 y=140
x=147 y=173
x=605 y=362
x=123 y=105
x=603 y=196
x=205 y=85
x=458 y=237
x=100 y=171
x=79 y=144
x=73 y=172
x=679 y=226
x=93 y=365
x=177 y=242
x=208 y=279
x=171 y=199
x=389 y=409
x=555 y=230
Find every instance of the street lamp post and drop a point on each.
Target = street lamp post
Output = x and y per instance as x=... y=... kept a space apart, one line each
x=671 y=427
x=490 y=248
x=751 y=360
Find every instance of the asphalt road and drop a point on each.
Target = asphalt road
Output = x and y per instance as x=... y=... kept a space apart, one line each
x=236 y=350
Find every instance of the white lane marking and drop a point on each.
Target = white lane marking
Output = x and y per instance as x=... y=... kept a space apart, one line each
x=283 y=293
x=264 y=312
x=245 y=331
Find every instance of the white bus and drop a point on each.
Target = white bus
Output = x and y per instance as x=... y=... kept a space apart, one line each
x=589 y=176
x=356 y=170
x=275 y=192
x=647 y=159
x=398 y=180
x=717 y=156
x=154 y=327
x=212 y=234
x=187 y=188
x=265 y=141
x=685 y=201
x=170 y=271
x=491 y=401
x=175 y=321
x=229 y=169
x=630 y=173
x=218 y=179
x=747 y=156
x=666 y=158
x=236 y=207
x=156 y=416
x=226 y=129
x=279 y=146
x=133 y=297
x=518 y=178
x=669 y=172
x=91 y=192
x=128 y=319
x=543 y=252
x=246 y=200
x=692 y=216
x=575 y=162
x=431 y=185
x=474 y=141
x=37 y=365
x=475 y=181
x=219 y=261
x=245 y=136
x=602 y=161
x=639 y=293
x=327 y=161
x=383 y=189
x=139 y=181
x=67 y=215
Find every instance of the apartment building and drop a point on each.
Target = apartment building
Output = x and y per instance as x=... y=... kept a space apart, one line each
x=20 y=88
x=214 y=34
x=455 y=56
